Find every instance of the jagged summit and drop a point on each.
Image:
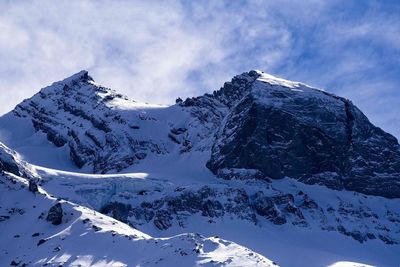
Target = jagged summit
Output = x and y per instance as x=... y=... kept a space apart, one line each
x=76 y=81
x=82 y=75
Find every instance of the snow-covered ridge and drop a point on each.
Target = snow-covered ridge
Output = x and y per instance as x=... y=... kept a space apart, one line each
x=268 y=78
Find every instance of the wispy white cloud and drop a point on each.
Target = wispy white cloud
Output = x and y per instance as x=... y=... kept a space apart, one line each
x=156 y=51
x=148 y=50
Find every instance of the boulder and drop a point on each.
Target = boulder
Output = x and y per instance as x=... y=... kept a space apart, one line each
x=55 y=214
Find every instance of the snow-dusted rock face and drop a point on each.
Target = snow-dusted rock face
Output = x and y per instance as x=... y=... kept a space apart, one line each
x=7 y=161
x=282 y=128
x=10 y=162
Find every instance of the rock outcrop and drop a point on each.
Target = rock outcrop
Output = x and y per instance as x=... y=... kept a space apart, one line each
x=7 y=161
x=55 y=214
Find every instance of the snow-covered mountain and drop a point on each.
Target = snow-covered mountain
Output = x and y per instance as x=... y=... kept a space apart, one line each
x=294 y=173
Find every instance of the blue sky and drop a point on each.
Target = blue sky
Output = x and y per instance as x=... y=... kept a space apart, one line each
x=156 y=51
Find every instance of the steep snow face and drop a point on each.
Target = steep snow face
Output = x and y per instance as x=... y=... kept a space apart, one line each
x=39 y=230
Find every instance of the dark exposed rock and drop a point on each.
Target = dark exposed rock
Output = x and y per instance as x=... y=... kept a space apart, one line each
x=174 y=139
x=205 y=201
x=146 y=214
x=357 y=235
x=14 y=263
x=33 y=187
x=232 y=92
x=387 y=240
x=309 y=203
x=163 y=220
x=16 y=211
x=96 y=228
x=7 y=163
x=187 y=201
x=4 y=218
x=52 y=135
x=136 y=127
x=212 y=209
x=55 y=214
x=241 y=174
x=41 y=242
x=267 y=207
x=118 y=211
x=178 y=131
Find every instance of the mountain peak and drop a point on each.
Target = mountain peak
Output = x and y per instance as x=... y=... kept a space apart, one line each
x=245 y=83
x=78 y=81
x=82 y=75
x=268 y=78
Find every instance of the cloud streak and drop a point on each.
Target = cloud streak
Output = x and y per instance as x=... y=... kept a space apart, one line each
x=156 y=51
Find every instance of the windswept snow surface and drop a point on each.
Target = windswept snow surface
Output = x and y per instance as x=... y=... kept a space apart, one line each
x=268 y=78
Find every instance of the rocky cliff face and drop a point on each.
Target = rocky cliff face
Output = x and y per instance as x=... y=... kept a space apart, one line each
x=282 y=128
